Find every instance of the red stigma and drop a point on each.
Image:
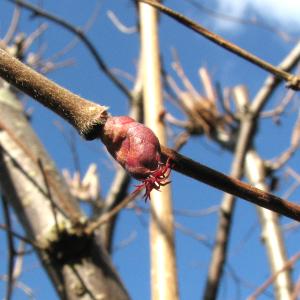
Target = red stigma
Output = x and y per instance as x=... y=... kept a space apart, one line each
x=156 y=179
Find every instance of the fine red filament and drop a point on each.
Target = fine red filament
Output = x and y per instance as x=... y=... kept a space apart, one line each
x=155 y=180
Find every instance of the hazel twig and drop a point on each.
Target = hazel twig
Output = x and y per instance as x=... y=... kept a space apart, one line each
x=88 y=117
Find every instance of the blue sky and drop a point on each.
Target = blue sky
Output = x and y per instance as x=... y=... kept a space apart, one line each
x=247 y=258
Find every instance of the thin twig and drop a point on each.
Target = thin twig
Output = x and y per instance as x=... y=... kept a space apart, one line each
x=11 y=250
x=85 y=28
x=219 y=253
x=119 y=25
x=219 y=15
x=13 y=26
x=110 y=214
x=289 y=264
x=81 y=35
x=279 y=109
x=33 y=37
x=293 y=81
x=18 y=236
x=22 y=286
x=197 y=213
x=195 y=235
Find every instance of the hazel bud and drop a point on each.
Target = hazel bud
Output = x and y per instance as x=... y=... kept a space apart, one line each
x=137 y=149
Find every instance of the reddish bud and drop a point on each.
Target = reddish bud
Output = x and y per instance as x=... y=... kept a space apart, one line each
x=137 y=149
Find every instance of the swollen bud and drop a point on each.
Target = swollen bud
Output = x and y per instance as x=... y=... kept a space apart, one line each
x=137 y=150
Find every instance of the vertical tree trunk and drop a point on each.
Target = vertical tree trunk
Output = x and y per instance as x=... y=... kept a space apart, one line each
x=271 y=232
x=163 y=260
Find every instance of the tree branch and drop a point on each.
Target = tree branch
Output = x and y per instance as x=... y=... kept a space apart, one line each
x=293 y=81
x=81 y=35
x=11 y=251
x=84 y=115
x=202 y=173
x=87 y=117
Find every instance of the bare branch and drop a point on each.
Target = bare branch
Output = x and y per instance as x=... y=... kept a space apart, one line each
x=189 y=232
x=110 y=214
x=87 y=118
x=292 y=81
x=29 y=40
x=119 y=25
x=286 y=155
x=289 y=264
x=18 y=236
x=271 y=232
x=73 y=108
x=271 y=82
x=251 y=21
x=80 y=34
x=219 y=253
x=13 y=26
x=22 y=286
x=75 y=40
x=11 y=250
x=279 y=109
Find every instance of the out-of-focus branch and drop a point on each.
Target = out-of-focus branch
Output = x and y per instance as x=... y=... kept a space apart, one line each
x=81 y=35
x=292 y=81
x=164 y=283
x=189 y=232
x=70 y=45
x=11 y=251
x=285 y=156
x=22 y=286
x=219 y=253
x=296 y=291
x=18 y=236
x=13 y=26
x=271 y=232
x=271 y=82
x=113 y=204
x=119 y=25
x=106 y=217
x=288 y=265
x=250 y=21
x=280 y=108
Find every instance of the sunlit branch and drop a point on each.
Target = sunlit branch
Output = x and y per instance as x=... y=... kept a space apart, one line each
x=87 y=117
x=84 y=115
x=293 y=81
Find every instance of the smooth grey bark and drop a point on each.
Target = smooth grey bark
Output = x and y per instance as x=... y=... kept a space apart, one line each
x=77 y=264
